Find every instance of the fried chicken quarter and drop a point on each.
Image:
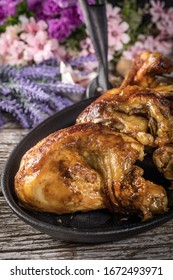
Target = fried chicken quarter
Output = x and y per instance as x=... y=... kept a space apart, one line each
x=87 y=167
x=92 y=165
x=142 y=107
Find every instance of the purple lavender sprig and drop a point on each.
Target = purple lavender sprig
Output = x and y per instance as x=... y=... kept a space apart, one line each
x=52 y=61
x=33 y=93
x=14 y=108
x=40 y=72
x=79 y=61
x=34 y=113
x=8 y=72
x=37 y=112
x=74 y=92
x=4 y=90
x=28 y=89
x=58 y=102
x=27 y=106
x=62 y=88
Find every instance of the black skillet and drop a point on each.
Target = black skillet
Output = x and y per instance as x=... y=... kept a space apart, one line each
x=93 y=226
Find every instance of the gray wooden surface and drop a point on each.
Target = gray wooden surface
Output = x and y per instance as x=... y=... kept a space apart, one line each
x=20 y=241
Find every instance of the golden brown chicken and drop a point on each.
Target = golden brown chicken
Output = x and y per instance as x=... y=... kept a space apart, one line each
x=163 y=159
x=134 y=110
x=151 y=70
x=87 y=167
x=92 y=165
x=142 y=106
x=146 y=69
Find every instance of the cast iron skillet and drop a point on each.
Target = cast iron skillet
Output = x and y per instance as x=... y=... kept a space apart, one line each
x=93 y=226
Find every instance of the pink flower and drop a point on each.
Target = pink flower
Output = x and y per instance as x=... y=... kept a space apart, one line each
x=15 y=53
x=28 y=42
x=164 y=25
x=134 y=51
x=157 y=10
x=148 y=43
x=162 y=17
x=3 y=47
x=11 y=33
x=40 y=47
x=31 y=26
x=117 y=36
x=7 y=38
x=170 y=13
x=113 y=12
x=86 y=47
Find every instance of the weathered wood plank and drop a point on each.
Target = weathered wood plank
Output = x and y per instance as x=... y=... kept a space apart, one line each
x=12 y=135
x=9 y=138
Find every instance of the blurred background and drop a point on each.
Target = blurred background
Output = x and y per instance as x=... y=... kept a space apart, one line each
x=47 y=58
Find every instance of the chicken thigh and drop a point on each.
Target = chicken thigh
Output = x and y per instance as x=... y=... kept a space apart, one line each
x=87 y=167
x=93 y=164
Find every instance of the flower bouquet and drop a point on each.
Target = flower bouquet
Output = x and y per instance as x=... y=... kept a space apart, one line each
x=47 y=58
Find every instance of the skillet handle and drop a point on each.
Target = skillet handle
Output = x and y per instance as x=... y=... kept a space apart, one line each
x=96 y=22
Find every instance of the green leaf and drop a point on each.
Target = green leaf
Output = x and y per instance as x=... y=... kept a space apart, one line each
x=133 y=14
x=22 y=8
x=73 y=41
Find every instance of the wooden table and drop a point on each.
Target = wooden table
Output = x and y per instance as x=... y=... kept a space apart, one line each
x=20 y=241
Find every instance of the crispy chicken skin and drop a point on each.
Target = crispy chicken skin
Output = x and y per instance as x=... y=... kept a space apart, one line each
x=134 y=110
x=142 y=106
x=92 y=165
x=87 y=167
x=146 y=68
x=163 y=159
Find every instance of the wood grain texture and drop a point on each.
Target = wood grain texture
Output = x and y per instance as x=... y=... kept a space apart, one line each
x=20 y=241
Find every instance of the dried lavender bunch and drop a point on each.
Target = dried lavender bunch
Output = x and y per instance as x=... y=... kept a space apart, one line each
x=73 y=92
x=50 y=62
x=38 y=72
x=32 y=93
x=28 y=89
x=78 y=61
x=14 y=108
x=7 y=72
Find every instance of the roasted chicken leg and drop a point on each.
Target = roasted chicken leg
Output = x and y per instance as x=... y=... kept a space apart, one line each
x=87 y=167
x=93 y=164
x=146 y=69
